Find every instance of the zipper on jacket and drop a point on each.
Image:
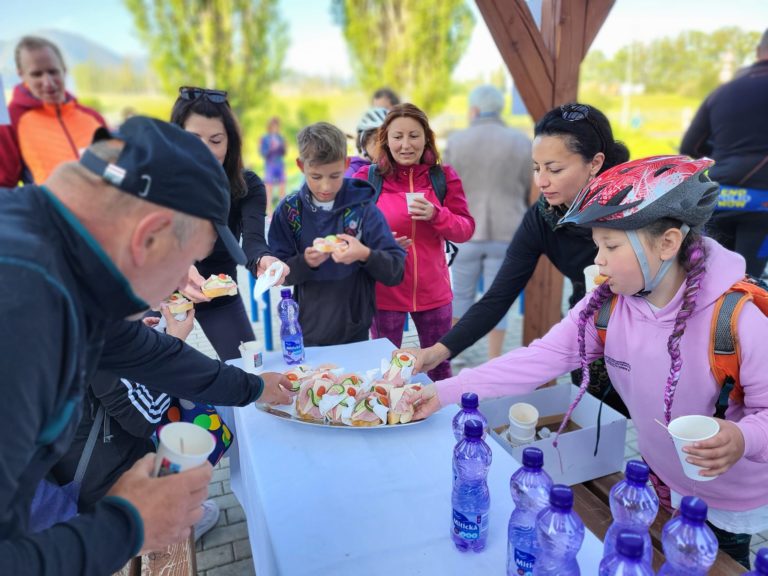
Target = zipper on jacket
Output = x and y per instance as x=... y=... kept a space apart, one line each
x=413 y=244
x=66 y=132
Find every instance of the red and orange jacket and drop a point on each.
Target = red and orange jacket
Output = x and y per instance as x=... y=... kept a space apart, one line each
x=426 y=284
x=42 y=136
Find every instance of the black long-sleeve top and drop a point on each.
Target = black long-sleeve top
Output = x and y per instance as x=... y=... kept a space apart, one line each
x=569 y=248
x=246 y=218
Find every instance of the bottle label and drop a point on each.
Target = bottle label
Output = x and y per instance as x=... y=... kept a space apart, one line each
x=468 y=528
x=293 y=349
x=524 y=562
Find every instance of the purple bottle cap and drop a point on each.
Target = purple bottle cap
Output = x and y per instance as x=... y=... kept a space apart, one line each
x=473 y=429
x=630 y=544
x=761 y=562
x=285 y=293
x=693 y=509
x=637 y=472
x=469 y=400
x=561 y=496
x=533 y=458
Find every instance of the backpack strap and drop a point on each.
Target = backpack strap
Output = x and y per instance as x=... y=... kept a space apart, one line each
x=439 y=185
x=375 y=179
x=85 y=457
x=292 y=207
x=724 y=350
x=603 y=315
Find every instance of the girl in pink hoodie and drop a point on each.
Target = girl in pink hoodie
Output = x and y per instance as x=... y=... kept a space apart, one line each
x=646 y=217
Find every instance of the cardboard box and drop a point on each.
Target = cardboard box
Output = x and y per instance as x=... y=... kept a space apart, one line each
x=576 y=445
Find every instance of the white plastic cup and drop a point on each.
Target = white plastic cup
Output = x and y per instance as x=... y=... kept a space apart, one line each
x=686 y=430
x=411 y=196
x=182 y=446
x=252 y=353
x=523 y=418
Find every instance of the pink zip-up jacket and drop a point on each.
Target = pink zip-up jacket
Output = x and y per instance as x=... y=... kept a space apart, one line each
x=638 y=363
x=426 y=283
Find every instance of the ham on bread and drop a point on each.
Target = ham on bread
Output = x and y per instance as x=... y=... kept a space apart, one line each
x=368 y=410
x=178 y=304
x=400 y=408
x=308 y=399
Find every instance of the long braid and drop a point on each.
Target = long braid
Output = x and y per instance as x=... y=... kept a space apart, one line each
x=695 y=267
x=600 y=295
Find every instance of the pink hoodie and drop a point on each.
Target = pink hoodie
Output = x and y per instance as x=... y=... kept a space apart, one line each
x=638 y=364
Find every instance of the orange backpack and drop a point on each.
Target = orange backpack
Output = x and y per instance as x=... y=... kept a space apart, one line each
x=724 y=353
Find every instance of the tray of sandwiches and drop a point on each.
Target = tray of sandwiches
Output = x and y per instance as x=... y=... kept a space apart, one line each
x=329 y=396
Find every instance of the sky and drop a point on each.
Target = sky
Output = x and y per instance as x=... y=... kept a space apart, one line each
x=317 y=46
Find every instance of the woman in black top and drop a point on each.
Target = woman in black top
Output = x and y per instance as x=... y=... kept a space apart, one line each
x=224 y=320
x=572 y=144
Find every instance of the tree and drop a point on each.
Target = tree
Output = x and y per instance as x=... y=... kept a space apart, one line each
x=411 y=46
x=233 y=45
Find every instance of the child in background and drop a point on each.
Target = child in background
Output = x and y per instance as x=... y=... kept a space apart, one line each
x=335 y=290
x=367 y=129
x=272 y=148
x=646 y=218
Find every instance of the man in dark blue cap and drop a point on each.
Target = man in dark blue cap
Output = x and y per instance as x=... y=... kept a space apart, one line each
x=80 y=257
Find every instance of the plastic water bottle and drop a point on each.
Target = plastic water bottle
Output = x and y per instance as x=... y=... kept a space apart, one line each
x=690 y=546
x=560 y=532
x=468 y=412
x=530 y=487
x=761 y=564
x=628 y=558
x=471 y=498
x=634 y=506
x=290 y=331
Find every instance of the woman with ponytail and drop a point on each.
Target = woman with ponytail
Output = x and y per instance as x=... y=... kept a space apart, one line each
x=665 y=278
x=572 y=144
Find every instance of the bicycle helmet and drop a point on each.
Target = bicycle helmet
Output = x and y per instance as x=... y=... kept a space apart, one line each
x=635 y=194
x=370 y=122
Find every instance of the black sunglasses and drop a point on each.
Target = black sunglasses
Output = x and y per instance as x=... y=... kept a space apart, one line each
x=577 y=112
x=192 y=93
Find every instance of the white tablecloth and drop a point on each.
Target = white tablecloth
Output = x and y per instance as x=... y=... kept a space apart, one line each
x=332 y=501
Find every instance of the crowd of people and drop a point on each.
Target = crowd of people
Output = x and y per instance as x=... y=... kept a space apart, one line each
x=108 y=224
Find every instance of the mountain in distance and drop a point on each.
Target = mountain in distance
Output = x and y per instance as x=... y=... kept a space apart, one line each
x=76 y=50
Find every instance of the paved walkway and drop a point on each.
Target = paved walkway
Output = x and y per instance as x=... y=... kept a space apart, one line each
x=226 y=551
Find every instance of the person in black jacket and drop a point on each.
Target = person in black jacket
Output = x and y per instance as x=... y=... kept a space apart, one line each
x=731 y=127
x=572 y=144
x=207 y=114
x=100 y=242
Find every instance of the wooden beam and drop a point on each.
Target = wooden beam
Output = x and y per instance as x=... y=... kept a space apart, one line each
x=597 y=12
x=518 y=39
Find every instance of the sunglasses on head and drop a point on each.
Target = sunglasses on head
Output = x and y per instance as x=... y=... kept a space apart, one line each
x=192 y=93
x=577 y=112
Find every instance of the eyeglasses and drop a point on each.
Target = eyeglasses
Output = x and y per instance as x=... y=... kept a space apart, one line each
x=192 y=93
x=576 y=112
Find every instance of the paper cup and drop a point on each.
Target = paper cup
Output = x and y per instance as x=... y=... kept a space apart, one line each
x=522 y=422
x=252 y=353
x=411 y=196
x=686 y=430
x=182 y=446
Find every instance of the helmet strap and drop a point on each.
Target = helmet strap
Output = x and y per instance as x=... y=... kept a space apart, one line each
x=650 y=284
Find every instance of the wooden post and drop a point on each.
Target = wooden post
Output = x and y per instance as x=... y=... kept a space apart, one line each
x=545 y=66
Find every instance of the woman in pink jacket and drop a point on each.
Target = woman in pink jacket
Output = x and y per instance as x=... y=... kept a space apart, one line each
x=407 y=151
x=646 y=218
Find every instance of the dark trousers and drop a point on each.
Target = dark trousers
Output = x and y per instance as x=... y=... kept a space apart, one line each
x=745 y=233
x=735 y=545
x=225 y=327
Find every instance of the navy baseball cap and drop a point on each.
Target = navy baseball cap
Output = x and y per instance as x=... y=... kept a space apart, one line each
x=163 y=164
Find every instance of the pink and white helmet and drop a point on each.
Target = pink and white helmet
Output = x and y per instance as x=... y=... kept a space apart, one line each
x=635 y=194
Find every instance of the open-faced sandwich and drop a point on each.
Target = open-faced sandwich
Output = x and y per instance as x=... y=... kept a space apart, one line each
x=308 y=399
x=178 y=304
x=400 y=408
x=369 y=411
x=399 y=369
x=330 y=243
x=219 y=285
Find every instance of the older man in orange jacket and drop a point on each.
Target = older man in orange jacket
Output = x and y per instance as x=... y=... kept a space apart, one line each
x=48 y=126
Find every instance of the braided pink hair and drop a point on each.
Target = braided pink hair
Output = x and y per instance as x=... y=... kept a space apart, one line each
x=600 y=295
x=694 y=264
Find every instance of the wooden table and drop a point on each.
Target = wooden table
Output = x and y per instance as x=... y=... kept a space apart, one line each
x=591 y=502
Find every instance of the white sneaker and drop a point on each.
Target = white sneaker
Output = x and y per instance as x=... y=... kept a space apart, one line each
x=209 y=519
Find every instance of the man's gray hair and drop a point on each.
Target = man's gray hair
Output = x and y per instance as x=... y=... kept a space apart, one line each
x=487 y=99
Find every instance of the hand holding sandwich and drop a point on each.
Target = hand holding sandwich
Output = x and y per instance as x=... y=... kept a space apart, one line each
x=425 y=402
x=193 y=288
x=277 y=389
x=355 y=251
x=313 y=257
